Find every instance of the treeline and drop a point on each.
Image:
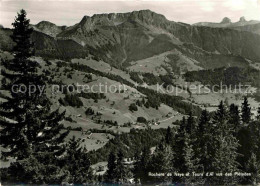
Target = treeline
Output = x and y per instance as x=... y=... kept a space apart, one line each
x=226 y=142
x=227 y=76
x=151 y=79
x=154 y=99
x=216 y=147
x=32 y=134
x=135 y=77
x=73 y=100
x=128 y=143
x=85 y=68
x=72 y=166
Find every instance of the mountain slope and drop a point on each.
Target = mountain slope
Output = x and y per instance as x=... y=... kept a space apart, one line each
x=125 y=37
x=254 y=28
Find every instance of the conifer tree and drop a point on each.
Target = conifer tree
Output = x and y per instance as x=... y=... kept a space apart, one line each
x=169 y=136
x=111 y=173
x=224 y=147
x=234 y=117
x=77 y=162
x=183 y=124
x=179 y=144
x=254 y=129
x=184 y=157
x=246 y=111
x=142 y=165
x=190 y=162
x=190 y=128
x=136 y=169
x=203 y=146
x=221 y=114
x=32 y=171
x=161 y=161
x=203 y=123
x=122 y=172
x=258 y=114
x=253 y=167
x=28 y=126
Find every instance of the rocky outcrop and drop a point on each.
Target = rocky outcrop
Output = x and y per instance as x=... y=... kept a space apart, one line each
x=225 y=20
x=242 y=19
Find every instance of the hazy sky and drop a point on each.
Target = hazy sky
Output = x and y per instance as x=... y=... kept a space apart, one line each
x=69 y=12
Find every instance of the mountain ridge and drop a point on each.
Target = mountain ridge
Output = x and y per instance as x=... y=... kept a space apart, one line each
x=48 y=28
x=227 y=23
x=119 y=38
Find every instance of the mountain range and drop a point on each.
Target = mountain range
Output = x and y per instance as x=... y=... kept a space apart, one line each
x=252 y=26
x=121 y=38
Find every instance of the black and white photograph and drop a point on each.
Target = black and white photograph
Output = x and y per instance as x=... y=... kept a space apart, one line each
x=130 y=92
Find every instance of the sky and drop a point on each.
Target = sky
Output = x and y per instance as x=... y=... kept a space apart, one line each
x=70 y=12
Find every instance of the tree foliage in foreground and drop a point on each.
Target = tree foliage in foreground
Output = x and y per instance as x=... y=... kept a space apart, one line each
x=31 y=132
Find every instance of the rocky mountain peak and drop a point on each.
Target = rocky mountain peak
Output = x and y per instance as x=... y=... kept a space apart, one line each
x=242 y=19
x=48 y=28
x=45 y=23
x=146 y=16
x=226 y=20
x=84 y=20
